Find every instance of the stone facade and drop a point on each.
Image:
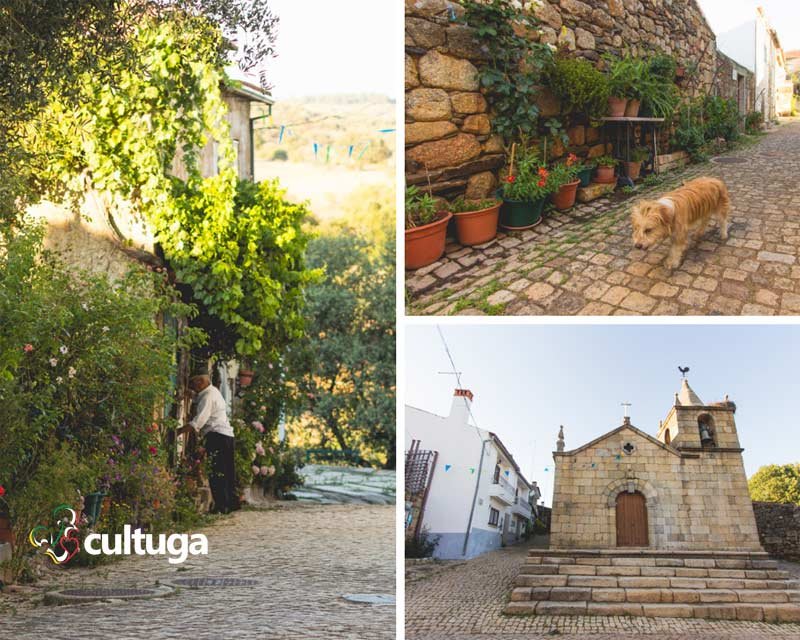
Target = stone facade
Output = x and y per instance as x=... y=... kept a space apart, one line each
x=448 y=126
x=779 y=528
x=695 y=492
x=734 y=82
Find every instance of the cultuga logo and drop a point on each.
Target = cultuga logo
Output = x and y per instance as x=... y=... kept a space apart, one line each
x=63 y=546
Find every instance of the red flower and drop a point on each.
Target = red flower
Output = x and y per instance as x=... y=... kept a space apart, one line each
x=510 y=179
x=153 y=450
x=27 y=349
x=2 y=491
x=542 y=182
x=571 y=159
x=543 y=173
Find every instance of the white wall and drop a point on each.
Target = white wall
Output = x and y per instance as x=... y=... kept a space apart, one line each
x=740 y=45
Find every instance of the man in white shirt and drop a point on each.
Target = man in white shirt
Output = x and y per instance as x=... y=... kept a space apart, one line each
x=211 y=421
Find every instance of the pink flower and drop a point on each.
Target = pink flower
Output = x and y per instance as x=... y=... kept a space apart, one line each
x=2 y=491
x=264 y=471
x=258 y=426
x=263 y=407
x=153 y=450
x=27 y=348
x=255 y=470
x=259 y=448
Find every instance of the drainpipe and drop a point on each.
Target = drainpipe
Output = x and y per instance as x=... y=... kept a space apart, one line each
x=474 y=499
x=253 y=142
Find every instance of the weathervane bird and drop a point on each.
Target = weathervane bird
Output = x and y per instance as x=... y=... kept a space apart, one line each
x=683 y=370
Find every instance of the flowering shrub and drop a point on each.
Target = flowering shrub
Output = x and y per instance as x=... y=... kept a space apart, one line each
x=530 y=181
x=564 y=172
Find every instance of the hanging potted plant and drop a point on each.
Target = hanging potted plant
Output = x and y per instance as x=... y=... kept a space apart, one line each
x=605 y=170
x=634 y=167
x=524 y=191
x=565 y=182
x=585 y=170
x=476 y=221
x=426 y=229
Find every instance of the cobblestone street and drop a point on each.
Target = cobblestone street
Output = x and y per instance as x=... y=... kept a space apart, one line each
x=466 y=601
x=583 y=262
x=304 y=557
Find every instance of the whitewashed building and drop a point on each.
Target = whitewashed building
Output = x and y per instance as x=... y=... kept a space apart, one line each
x=755 y=45
x=462 y=485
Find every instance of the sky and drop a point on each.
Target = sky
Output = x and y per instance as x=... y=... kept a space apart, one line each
x=784 y=15
x=347 y=46
x=529 y=379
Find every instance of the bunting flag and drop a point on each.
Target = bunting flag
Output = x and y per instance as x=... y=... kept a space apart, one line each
x=447 y=467
x=328 y=154
x=363 y=151
x=316 y=150
x=350 y=151
x=280 y=135
x=472 y=469
x=386 y=130
x=284 y=131
x=507 y=472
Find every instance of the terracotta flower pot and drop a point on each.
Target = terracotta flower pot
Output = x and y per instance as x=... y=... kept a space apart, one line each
x=605 y=175
x=616 y=107
x=516 y=215
x=564 y=198
x=425 y=244
x=245 y=377
x=633 y=169
x=476 y=227
x=105 y=509
x=632 y=109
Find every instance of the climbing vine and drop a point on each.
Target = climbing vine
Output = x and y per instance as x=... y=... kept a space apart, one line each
x=238 y=246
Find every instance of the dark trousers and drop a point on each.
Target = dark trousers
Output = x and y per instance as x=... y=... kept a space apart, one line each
x=222 y=477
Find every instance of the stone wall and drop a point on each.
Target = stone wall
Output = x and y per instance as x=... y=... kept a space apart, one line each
x=449 y=143
x=694 y=500
x=779 y=528
x=734 y=82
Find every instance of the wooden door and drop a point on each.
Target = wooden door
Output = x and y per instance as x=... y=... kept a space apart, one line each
x=631 y=520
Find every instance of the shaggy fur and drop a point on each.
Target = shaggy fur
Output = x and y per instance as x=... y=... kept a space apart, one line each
x=681 y=215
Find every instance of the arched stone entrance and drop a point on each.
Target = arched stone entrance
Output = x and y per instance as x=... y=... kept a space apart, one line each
x=631 y=520
x=650 y=504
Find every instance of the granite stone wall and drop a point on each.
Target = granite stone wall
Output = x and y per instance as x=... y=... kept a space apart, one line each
x=449 y=141
x=695 y=501
x=779 y=528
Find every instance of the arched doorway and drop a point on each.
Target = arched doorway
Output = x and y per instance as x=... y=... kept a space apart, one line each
x=631 y=520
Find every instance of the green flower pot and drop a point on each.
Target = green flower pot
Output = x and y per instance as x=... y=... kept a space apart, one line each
x=585 y=176
x=91 y=506
x=520 y=214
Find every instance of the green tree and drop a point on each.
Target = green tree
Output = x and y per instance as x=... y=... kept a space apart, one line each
x=776 y=483
x=344 y=371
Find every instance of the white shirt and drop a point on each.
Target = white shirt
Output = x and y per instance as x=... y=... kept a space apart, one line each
x=210 y=415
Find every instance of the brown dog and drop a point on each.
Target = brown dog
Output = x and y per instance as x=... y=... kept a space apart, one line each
x=680 y=214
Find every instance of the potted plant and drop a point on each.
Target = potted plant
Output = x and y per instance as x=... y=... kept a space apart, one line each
x=524 y=192
x=628 y=80
x=426 y=228
x=564 y=180
x=580 y=87
x=605 y=169
x=634 y=167
x=617 y=86
x=476 y=221
x=585 y=170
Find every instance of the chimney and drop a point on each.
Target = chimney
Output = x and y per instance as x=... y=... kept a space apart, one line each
x=462 y=402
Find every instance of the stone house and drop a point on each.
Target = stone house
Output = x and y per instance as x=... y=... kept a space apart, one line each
x=474 y=497
x=683 y=489
x=735 y=82
x=449 y=141
x=106 y=237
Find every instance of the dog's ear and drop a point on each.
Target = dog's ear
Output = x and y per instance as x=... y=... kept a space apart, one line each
x=666 y=215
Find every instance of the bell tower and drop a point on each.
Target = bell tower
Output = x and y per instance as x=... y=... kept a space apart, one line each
x=693 y=425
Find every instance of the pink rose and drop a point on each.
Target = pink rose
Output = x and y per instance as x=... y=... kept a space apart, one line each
x=27 y=348
x=264 y=471
x=259 y=448
x=255 y=470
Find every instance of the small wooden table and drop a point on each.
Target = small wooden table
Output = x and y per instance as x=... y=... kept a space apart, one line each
x=628 y=125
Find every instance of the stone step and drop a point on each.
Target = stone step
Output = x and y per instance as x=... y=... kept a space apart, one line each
x=650 y=582
x=652 y=571
x=783 y=612
x=687 y=596
x=684 y=560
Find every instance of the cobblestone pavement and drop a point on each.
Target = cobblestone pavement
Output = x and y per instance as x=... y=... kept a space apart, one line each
x=305 y=557
x=326 y=484
x=583 y=262
x=465 y=601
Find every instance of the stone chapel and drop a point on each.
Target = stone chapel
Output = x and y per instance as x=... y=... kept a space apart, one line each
x=656 y=526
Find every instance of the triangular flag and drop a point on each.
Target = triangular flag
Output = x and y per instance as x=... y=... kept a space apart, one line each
x=546 y=469
x=507 y=472
x=363 y=151
x=316 y=150
x=472 y=469
x=280 y=135
x=447 y=467
x=385 y=130
x=328 y=154
x=350 y=151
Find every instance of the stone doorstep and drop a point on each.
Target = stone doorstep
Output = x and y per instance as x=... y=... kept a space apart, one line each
x=691 y=562
x=772 y=579
x=646 y=552
x=653 y=582
x=724 y=611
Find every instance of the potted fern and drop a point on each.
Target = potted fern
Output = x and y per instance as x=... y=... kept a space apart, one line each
x=476 y=221
x=426 y=228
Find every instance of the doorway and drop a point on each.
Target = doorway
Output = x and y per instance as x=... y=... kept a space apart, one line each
x=631 y=520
